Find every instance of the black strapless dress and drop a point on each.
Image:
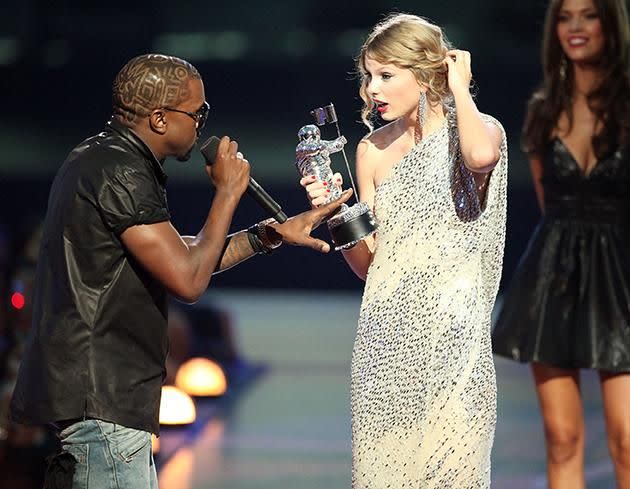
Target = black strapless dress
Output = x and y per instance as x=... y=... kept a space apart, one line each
x=568 y=304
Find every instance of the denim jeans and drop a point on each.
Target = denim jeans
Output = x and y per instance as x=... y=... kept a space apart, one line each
x=109 y=456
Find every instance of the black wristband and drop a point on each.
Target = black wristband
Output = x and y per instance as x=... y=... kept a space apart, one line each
x=261 y=232
x=255 y=241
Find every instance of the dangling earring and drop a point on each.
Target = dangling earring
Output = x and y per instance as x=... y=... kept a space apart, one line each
x=563 y=67
x=421 y=118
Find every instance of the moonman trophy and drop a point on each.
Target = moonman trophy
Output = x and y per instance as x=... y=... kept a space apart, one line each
x=312 y=157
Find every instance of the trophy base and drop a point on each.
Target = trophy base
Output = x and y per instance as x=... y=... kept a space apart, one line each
x=351 y=225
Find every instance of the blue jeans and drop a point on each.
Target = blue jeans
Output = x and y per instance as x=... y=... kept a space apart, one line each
x=109 y=456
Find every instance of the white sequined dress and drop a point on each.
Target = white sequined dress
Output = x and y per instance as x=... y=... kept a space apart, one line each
x=423 y=392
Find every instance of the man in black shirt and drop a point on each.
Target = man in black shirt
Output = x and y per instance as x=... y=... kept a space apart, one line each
x=95 y=360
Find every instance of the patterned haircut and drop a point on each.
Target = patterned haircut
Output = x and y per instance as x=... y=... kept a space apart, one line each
x=149 y=82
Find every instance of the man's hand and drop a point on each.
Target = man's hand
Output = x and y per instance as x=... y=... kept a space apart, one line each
x=297 y=230
x=230 y=171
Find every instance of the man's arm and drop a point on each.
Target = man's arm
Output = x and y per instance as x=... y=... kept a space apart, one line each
x=186 y=266
x=184 y=269
x=237 y=249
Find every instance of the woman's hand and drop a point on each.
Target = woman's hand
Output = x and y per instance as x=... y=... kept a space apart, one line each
x=459 y=70
x=318 y=190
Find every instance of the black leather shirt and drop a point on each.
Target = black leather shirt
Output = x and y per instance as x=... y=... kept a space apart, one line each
x=98 y=342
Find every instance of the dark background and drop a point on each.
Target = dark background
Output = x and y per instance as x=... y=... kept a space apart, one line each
x=265 y=66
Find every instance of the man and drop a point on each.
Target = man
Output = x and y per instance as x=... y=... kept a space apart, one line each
x=95 y=360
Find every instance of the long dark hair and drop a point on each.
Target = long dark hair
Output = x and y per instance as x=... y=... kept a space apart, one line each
x=610 y=101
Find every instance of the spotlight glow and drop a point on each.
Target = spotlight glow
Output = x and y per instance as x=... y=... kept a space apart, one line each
x=176 y=407
x=17 y=300
x=201 y=377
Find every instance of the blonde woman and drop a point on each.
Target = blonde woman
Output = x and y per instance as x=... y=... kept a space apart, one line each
x=423 y=383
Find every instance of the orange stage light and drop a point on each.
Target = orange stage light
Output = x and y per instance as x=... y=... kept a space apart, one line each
x=176 y=407
x=201 y=377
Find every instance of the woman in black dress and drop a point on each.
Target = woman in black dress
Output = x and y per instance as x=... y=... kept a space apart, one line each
x=568 y=306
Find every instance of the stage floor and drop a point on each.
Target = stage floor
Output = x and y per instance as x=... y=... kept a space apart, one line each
x=291 y=427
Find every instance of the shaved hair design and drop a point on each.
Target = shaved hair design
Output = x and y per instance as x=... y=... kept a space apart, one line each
x=149 y=82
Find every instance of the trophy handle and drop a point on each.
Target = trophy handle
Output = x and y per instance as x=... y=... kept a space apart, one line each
x=328 y=115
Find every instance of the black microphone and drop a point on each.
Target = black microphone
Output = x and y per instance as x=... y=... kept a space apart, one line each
x=209 y=152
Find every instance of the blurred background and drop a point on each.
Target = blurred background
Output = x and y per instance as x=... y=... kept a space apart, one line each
x=265 y=66
x=282 y=326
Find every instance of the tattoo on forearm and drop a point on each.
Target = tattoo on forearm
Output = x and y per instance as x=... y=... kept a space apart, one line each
x=236 y=250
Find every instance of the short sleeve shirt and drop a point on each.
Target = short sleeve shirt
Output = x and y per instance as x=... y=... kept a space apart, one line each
x=98 y=343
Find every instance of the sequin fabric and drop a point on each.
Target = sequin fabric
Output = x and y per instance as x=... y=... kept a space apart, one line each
x=423 y=391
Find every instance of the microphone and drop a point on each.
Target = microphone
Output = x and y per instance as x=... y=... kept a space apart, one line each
x=209 y=151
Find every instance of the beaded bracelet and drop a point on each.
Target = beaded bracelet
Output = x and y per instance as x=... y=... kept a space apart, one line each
x=259 y=239
x=264 y=237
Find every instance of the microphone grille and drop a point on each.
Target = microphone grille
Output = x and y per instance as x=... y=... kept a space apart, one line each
x=209 y=149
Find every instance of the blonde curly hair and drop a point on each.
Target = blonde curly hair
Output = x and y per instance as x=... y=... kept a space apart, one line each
x=410 y=42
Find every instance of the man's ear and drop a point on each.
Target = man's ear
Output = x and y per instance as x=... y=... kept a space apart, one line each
x=157 y=121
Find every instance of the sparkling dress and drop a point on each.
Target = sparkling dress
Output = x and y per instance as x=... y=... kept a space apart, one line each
x=423 y=390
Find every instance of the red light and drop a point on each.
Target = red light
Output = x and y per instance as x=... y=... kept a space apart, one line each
x=17 y=300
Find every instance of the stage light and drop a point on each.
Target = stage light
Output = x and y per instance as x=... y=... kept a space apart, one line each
x=176 y=407
x=17 y=300
x=201 y=377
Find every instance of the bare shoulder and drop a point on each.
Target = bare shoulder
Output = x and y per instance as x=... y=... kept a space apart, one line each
x=382 y=137
x=375 y=143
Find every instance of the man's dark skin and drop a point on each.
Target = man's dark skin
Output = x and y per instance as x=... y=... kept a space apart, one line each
x=94 y=364
x=185 y=264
